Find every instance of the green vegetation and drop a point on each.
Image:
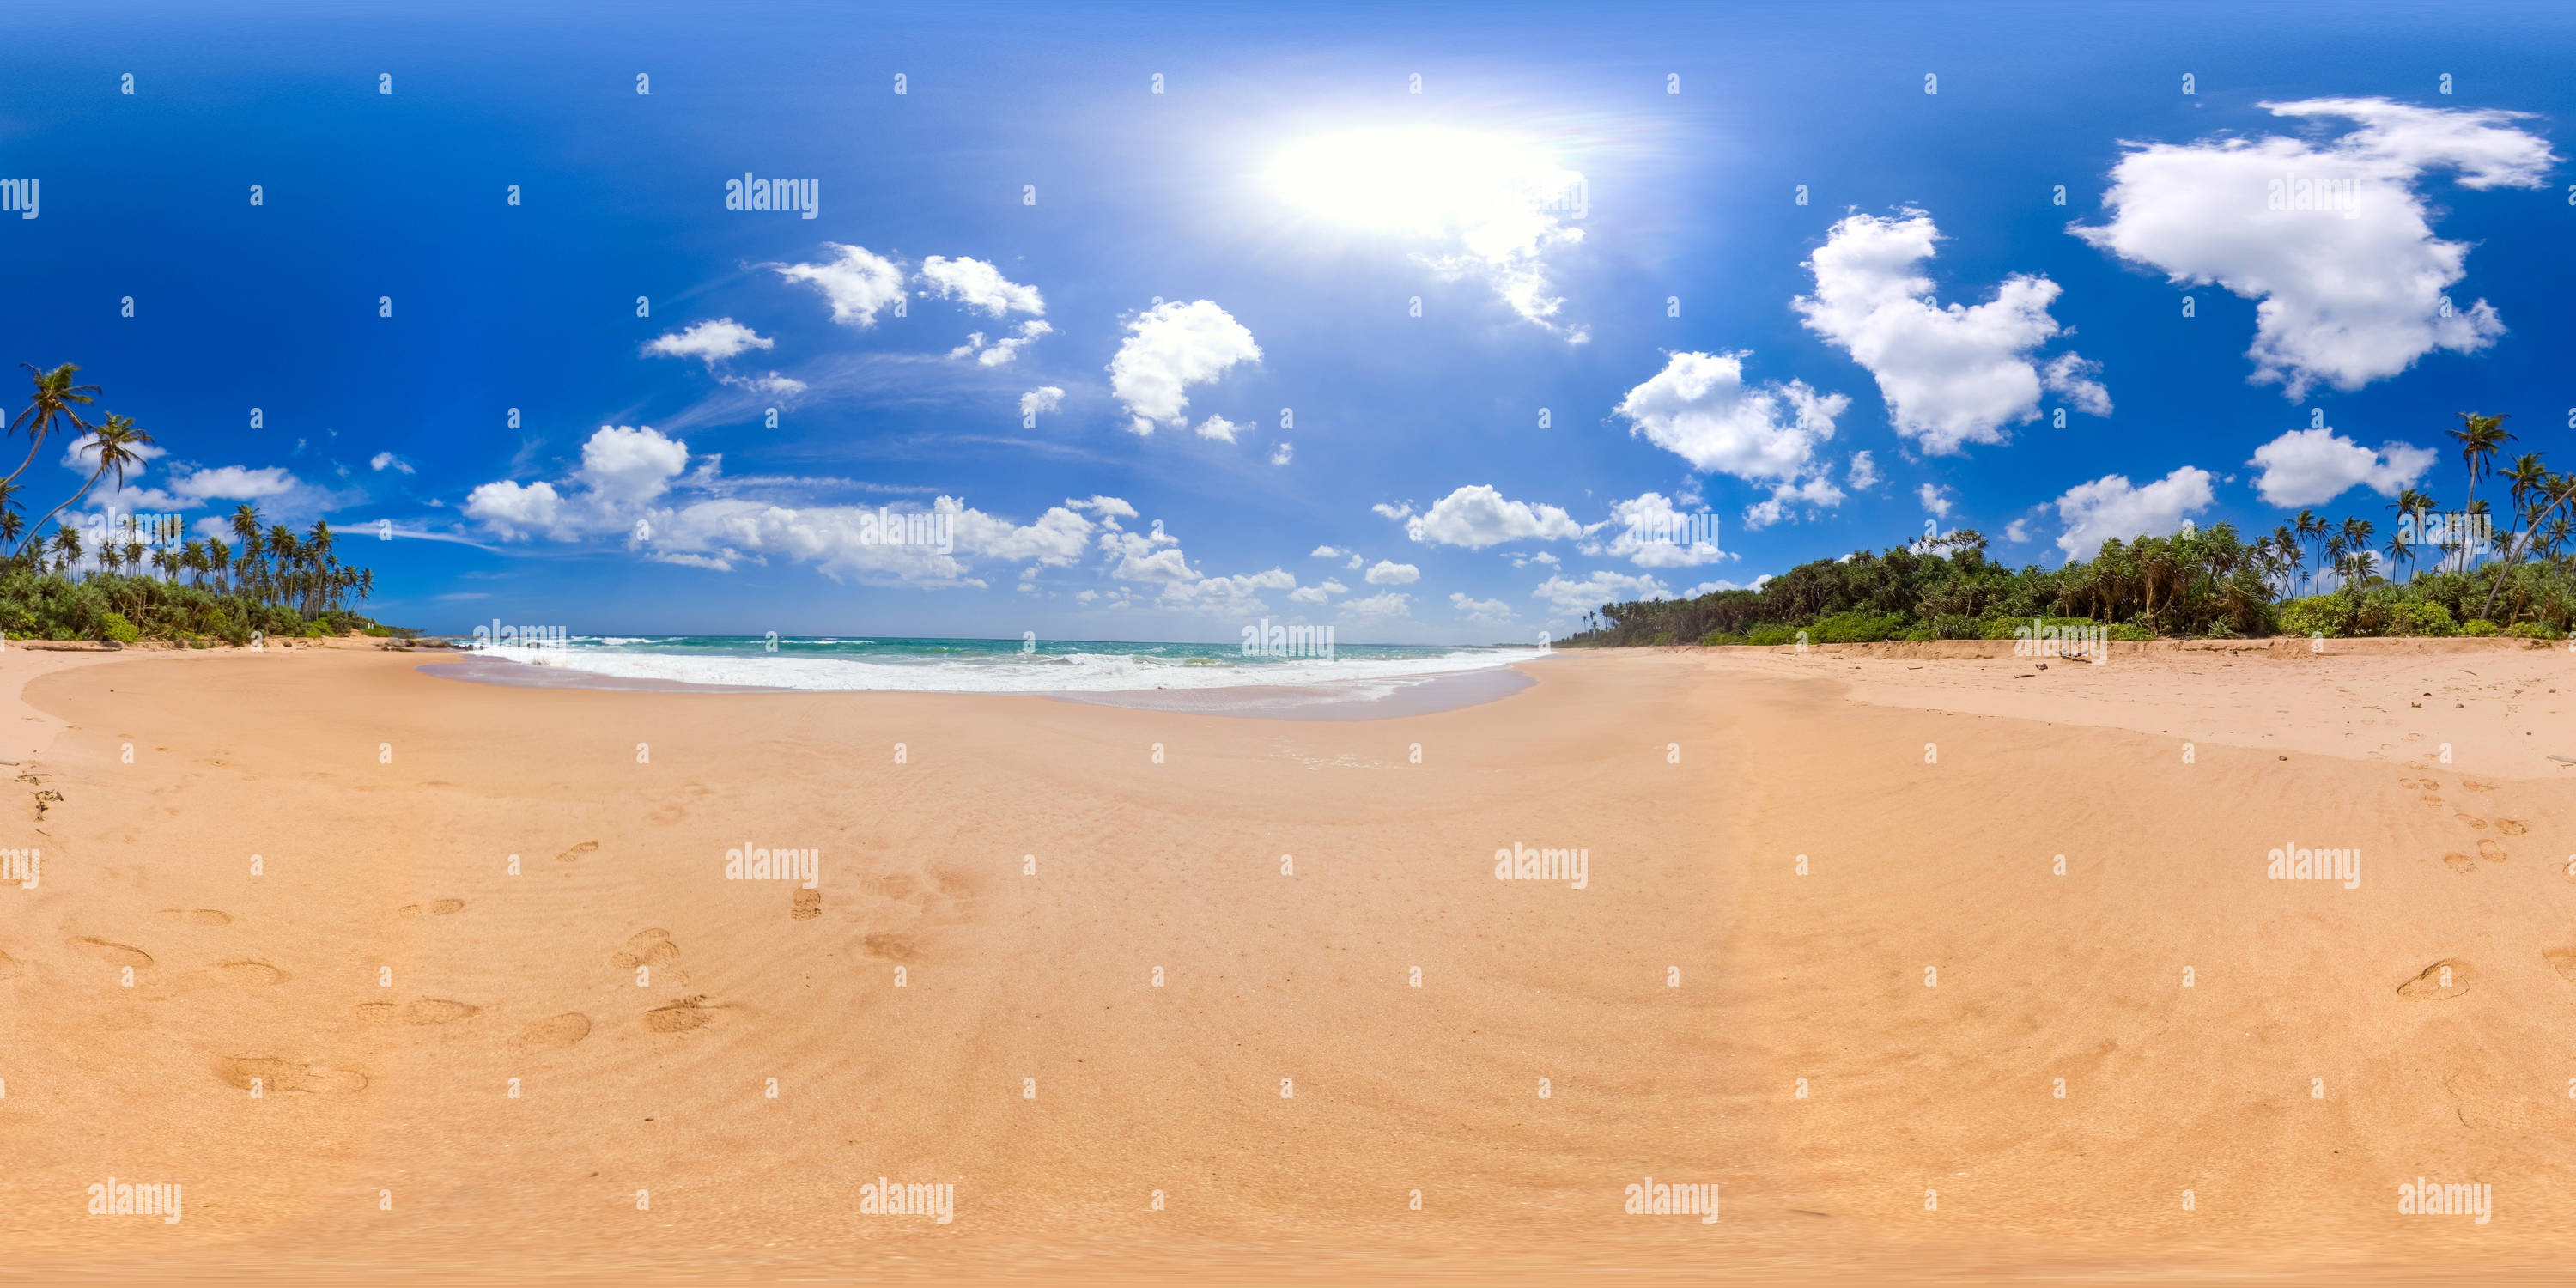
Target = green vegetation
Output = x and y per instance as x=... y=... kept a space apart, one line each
x=130 y=587
x=2206 y=583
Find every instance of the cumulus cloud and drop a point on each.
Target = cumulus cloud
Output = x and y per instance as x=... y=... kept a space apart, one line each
x=1816 y=493
x=388 y=461
x=1399 y=512
x=856 y=281
x=1951 y=376
x=1477 y=516
x=980 y=286
x=636 y=484
x=1387 y=572
x=1168 y=348
x=1864 y=472
x=1219 y=428
x=1393 y=603
x=1041 y=400
x=1320 y=593
x=2017 y=531
x=1283 y=453
x=1002 y=350
x=1935 y=499
x=1482 y=612
x=236 y=483
x=1650 y=533
x=711 y=341
x=1569 y=597
x=1699 y=408
x=2332 y=235
x=2312 y=466
x=1326 y=552
x=2111 y=506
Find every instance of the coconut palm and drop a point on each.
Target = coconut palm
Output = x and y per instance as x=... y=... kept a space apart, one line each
x=2479 y=437
x=52 y=404
x=117 y=444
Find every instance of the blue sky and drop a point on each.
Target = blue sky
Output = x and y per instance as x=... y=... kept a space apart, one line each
x=1699 y=342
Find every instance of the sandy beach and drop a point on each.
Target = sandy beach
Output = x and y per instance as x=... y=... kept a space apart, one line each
x=400 y=976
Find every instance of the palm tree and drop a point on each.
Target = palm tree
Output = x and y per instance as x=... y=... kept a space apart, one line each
x=2400 y=549
x=115 y=440
x=67 y=547
x=2478 y=437
x=219 y=560
x=11 y=524
x=52 y=404
x=2309 y=525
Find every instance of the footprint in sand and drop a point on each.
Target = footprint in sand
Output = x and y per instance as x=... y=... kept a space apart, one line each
x=2407 y=783
x=2467 y=786
x=2511 y=827
x=647 y=948
x=893 y=947
x=680 y=1016
x=114 y=954
x=439 y=908
x=285 y=1075
x=2460 y=862
x=2472 y=820
x=558 y=1031
x=806 y=906
x=9 y=967
x=576 y=851
x=251 y=974
x=2491 y=852
x=2429 y=785
x=2562 y=960
x=426 y=1010
x=201 y=916
x=2441 y=981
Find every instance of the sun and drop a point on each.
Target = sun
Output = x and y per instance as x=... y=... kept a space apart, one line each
x=1422 y=180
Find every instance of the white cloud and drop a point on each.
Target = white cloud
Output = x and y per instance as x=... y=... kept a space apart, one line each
x=1393 y=603
x=857 y=282
x=1653 y=534
x=1041 y=400
x=979 y=285
x=773 y=383
x=1318 y=594
x=2312 y=466
x=1571 y=598
x=1482 y=612
x=2073 y=376
x=1356 y=563
x=1002 y=350
x=1219 y=428
x=1935 y=499
x=1387 y=572
x=514 y=510
x=236 y=483
x=1541 y=557
x=1863 y=472
x=1283 y=453
x=1477 y=516
x=2111 y=506
x=1326 y=552
x=1699 y=408
x=2350 y=293
x=2017 y=531
x=1818 y=491
x=1707 y=586
x=711 y=341
x=1168 y=348
x=1399 y=512
x=388 y=461
x=1951 y=376
x=1487 y=205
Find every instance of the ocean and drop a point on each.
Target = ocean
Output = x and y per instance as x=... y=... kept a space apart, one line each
x=993 y=666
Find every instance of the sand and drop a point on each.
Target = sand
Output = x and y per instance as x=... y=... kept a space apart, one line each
x=936 y=1011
